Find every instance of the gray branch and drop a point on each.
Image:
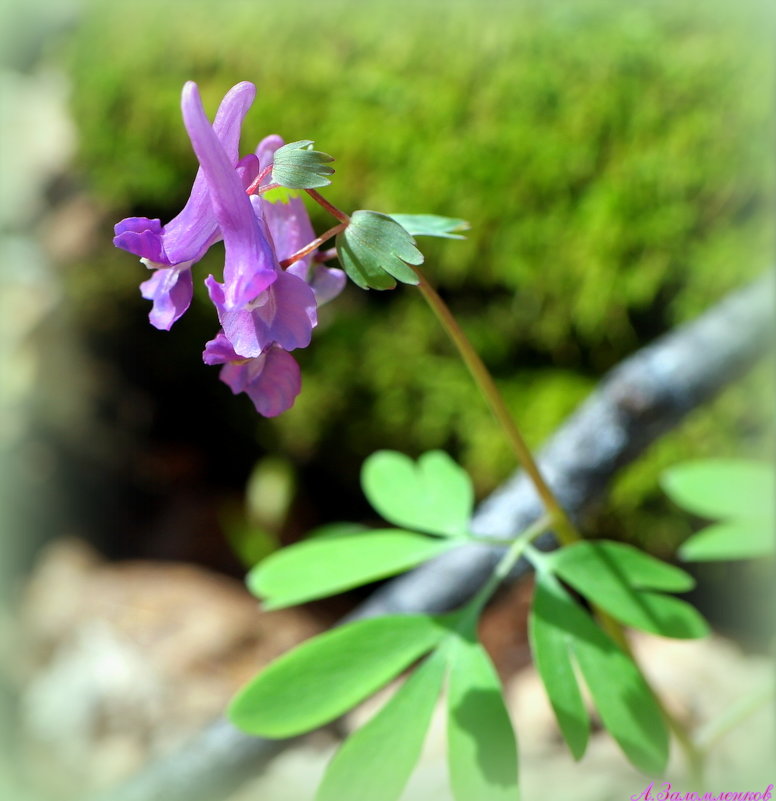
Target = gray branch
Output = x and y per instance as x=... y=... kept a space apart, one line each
x=642 y=398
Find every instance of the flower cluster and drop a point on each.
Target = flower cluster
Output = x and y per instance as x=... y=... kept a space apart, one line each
x=264 y=310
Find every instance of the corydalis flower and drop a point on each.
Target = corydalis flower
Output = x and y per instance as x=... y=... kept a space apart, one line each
x=264 y=311
x=271 y=380
x=170 y=250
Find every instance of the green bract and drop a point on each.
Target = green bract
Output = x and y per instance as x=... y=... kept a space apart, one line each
x=559 y=628
x=337 y=562
x=297 y=166
x=738 y=491
x=434 y=494
x=616 y=577
x=329 y=674
x=431 y=225
x=374 y=250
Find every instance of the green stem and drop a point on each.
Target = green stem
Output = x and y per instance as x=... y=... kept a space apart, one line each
x=487 y=386
x=507 y=562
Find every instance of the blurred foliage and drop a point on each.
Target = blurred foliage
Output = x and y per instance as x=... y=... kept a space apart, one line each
x=615 y=162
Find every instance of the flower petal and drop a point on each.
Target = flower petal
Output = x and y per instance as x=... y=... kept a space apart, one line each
x=250 y=265
x=285 y=314
x=171 y=290
x=325 y=282
x=141 y=236
x=272 y=381
x=188 y=236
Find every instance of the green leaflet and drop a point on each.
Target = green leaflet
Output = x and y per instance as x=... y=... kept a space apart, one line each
x=375 y=763
x=735 y=539
x=332 y=564
x=625 y=703
x=329 y=674
x=297 y=166
x=722 y=488
x=481 y=743
x=374 y=250
x=616 y=577
x=433 y=494
x=550 y=646
x=431 y=225
x=740 y=492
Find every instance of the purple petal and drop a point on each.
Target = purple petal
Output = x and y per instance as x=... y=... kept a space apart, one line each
x=141 y=236
x=219 y=350
x=250 y=265
x=266 y=150
x=325 y=282
x=171 y=290
x=188 y=236
x=272 y=381
x=286 y=315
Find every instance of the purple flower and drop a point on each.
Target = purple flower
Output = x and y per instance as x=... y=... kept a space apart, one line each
x=170 y=250
x=258 y=304
x=264 y=311
x=271 y=380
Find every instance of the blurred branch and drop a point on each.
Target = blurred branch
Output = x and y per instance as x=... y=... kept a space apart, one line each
x=639 y=400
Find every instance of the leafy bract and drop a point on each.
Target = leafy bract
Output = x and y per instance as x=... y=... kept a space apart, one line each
x=431 y=225
x=550 y=646
x=374 y=250
x=740 y=492
x=375 y=763
x=481 y=743
x=327 y=675
x=331 y=564
x=433 y=494
x=625 y=703
x=297 y=166
x=613 y=577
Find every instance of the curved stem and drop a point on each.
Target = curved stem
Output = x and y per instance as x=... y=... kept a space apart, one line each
x=310 y=247
x=333 y=210
x=487 y=386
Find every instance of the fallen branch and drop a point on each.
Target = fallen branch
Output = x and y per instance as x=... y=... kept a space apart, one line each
x=638 y=401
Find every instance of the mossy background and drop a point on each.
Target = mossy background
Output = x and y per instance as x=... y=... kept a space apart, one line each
x=614 y=160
